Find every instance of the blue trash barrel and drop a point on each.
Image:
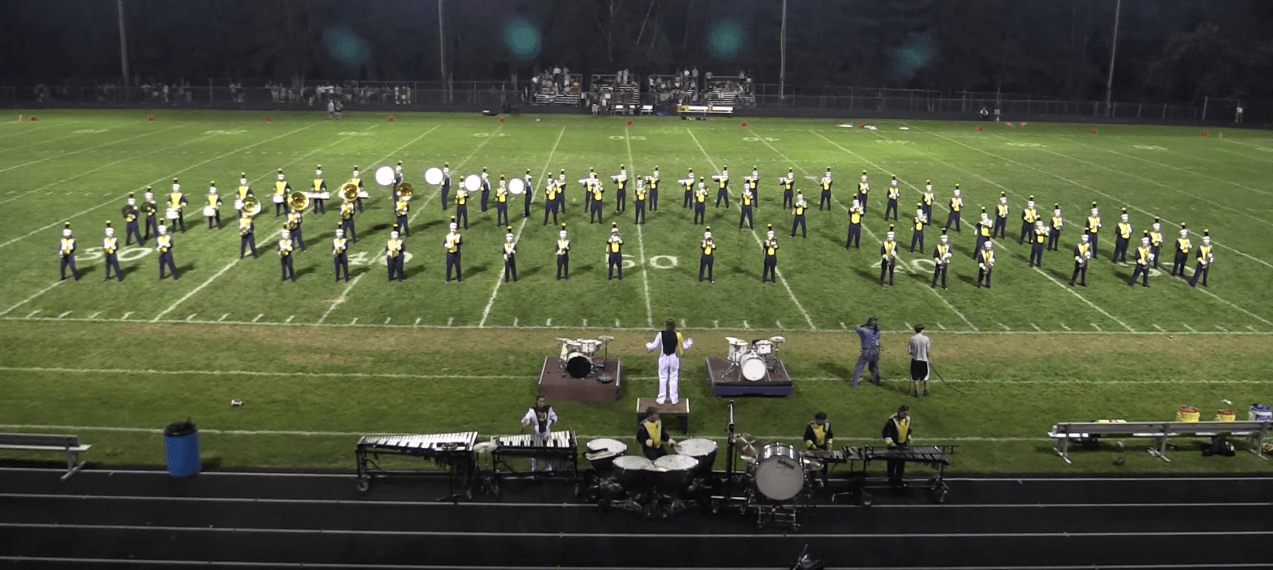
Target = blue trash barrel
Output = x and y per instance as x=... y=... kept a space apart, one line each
x=181 y=441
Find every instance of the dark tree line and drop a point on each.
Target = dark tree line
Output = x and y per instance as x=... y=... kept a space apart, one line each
x=1166 y=51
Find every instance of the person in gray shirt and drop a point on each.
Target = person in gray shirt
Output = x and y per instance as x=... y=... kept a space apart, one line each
x=918 y=349
x=870 y=335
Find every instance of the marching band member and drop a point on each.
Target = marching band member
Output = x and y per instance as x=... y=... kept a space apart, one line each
x=653 y=184
x=243 y=192
x=163 y=244
x=650 y=434
x=893 y=194
x=614 y=249
x=956 y=206
x=402 y=210
x=510 y=256
x=281 y=190
x=1155 y=240
x=770 y=247
x=621 y=191
x=985 y=263
x=1000 y=230
x=856 y=213
x=984 y=228
x=1082 y=254
x=110 y=247
x=722 y=191
x=639 y=199
x=340 y=254
x=1093 y=227
x=1029 y=216
x=1142 y=262
x=452 y=245
x=293 y=225
x=897 y=435
x=247 y=236
x=688 y=183
x=700 y=203
x=673 y=345
x=501 y=203
x=561 y=193
x=941 y=260
x=214 y=202
x=595 y=192
x=285 y=256
x=708 y=259
x=817 y=435
x=745 y=205
x=151 y=209
x=799 y=218
x=753 y=184
x=66 y=252
x=394 y=250
x=1183 y=245
x=1039 y=240
x=540 y=419
x=347 y=221
x=563 y=254
x=864 y=188
x=178 y=200
x=1058 y=223
x=397 y=176
x=788 y=184
x=1205 y=258
x=825 y=198
x=928 y=198
x=888 y=256
x=356 y=180
x=530 y=191
x=486 y=191
x=131 y=213
x=446 y=184
x=917 y=234
x=320 y=190
x=550 y=200
x=1122 y=238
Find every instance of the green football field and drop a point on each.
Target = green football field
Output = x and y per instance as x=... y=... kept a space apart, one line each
x=318 y=362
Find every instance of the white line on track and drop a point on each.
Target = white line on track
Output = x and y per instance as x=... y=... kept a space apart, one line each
x=195 y=291
x=31 y=298
x=486 y=312
x=645 y=274
x=759 y=242
x=157 y=181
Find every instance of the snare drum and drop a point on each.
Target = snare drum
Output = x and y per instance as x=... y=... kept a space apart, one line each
x=702 y=449
x=238 y=204
x=737 y=347
x=763 y=347
x=209 y=211
x=589 y=346
x=172 y=213
x=779 y=472
x=753 y=368
x=278 y=198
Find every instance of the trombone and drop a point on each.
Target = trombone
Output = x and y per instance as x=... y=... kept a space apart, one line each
x=298 y=201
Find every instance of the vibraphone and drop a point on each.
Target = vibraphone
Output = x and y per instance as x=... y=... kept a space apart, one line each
x=452 y=450
x=559 y=449
x=935 y=456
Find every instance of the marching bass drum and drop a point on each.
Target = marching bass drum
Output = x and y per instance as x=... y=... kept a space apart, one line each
x=517 y=186
x=472 y=183
x=578 y=365
x=384 y=176
x=778 y=472
x=752 y=367
x=433 y=176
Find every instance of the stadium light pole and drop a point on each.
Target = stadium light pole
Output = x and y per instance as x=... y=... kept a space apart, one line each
x=442 y=51
x=1113 y=48
x=123 y=45
x=782 y=66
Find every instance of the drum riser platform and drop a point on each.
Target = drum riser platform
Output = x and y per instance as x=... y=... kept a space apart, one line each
x=729 y=383
x=555 y=385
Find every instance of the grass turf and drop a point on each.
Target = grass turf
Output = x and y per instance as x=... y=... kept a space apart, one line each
x=1026 y=354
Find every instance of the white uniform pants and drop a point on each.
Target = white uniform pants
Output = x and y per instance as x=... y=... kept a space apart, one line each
x=669 y=377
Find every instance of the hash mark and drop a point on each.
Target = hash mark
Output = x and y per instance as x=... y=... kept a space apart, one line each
x=1096 y=327
x=1222 y=329
x=190 y=317
x=683 y=325
x=715 y=324
x=939 y=325
x=449 y=320
x=125 y=317
x=223 y=317
x=33 y=313
x=258 y=317
x=843 y=326
x=289 y=319
x=585 y=323
x=746 y=326
x=908 y=325
x=514 y=321
x=354 y=322
x=417 y=322
x=549 y=323
x=94 y=315
x=616 y=324
x=63 y=315
x=1005 y=327
x=387 y=319
x=1036 y=327
x=1159 y=328
x=1248 y=326
x=1190 y=328
x=1064 y=327
x=779 y=323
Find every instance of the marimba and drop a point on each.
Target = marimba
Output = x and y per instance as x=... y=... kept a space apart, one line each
x=455 y=451
x=559 y=449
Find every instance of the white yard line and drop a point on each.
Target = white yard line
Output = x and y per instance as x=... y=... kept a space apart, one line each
x=499 y=277
x=344 y=295
x=74 y=152
x=31 y=298
x=1209 y=178
x=645 y=277
x=157 y=181
x=1222 y=329
x=196 y=290
x=760 y=243
x=1005 y=188
x=1249 y=313
x=1090 y=189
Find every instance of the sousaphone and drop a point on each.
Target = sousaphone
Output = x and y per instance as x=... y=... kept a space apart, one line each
x=298 y=201
x=406 y=190
x=251 y=206
x=349 y=192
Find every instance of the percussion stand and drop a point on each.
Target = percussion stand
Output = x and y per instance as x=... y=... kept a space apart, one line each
x=727 y=500
x=454 y=472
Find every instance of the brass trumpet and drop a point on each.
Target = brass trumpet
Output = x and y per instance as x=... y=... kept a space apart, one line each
x=349 y=192
x=251 y=206
x=298 y=201
x=405 y=190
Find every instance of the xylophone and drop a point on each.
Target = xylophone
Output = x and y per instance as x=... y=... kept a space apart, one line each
x=453 y=450
x=824 y=456
x=934 y=456
x=558 y=449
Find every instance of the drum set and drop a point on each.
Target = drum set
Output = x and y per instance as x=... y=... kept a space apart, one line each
x=753 y=361
x=579 y=357
x=656 y=489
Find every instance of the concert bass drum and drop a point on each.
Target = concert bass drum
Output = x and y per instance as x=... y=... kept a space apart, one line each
x=578 y=365
x=778 y=472
x=753 y=367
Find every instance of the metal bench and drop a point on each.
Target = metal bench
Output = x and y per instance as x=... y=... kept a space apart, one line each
x=1160 y=432
x=68 y=444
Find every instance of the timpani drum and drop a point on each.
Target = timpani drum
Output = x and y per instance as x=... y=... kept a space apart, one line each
x=702 y=449
x=603 y=451
x=634 y=473
x=673 y=473
x=779 y=472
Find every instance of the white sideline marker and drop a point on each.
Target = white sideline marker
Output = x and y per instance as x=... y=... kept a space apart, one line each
x=549 y=323
x=289 y=319
x=1190 y=328
x=514 y=321
x=387 y=319
x=779 y=323
x=354 y=322
x=1036 y=327
x=1096 y=327
x=616 y=324
x=1159 y=328
x=1005 y=327
x=258 y=317
x=746 y=326
x=190 y=317
x=449 y=320
x=1222 y=329
x=1064 y=327
x=846 y=327
x=939 y=325
x=63 y=315
x=585 y=323
x=417 y=322
x=222 y=319
x=908 y=325
x=125 y=317
x=684 y=325
x=1252 y=328
x=94 y=315
x=33 y=313
x=715 y=324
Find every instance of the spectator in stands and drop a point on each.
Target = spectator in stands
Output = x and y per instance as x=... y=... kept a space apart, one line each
x=1237 y=115
x=557 y=77
x=985 y=113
